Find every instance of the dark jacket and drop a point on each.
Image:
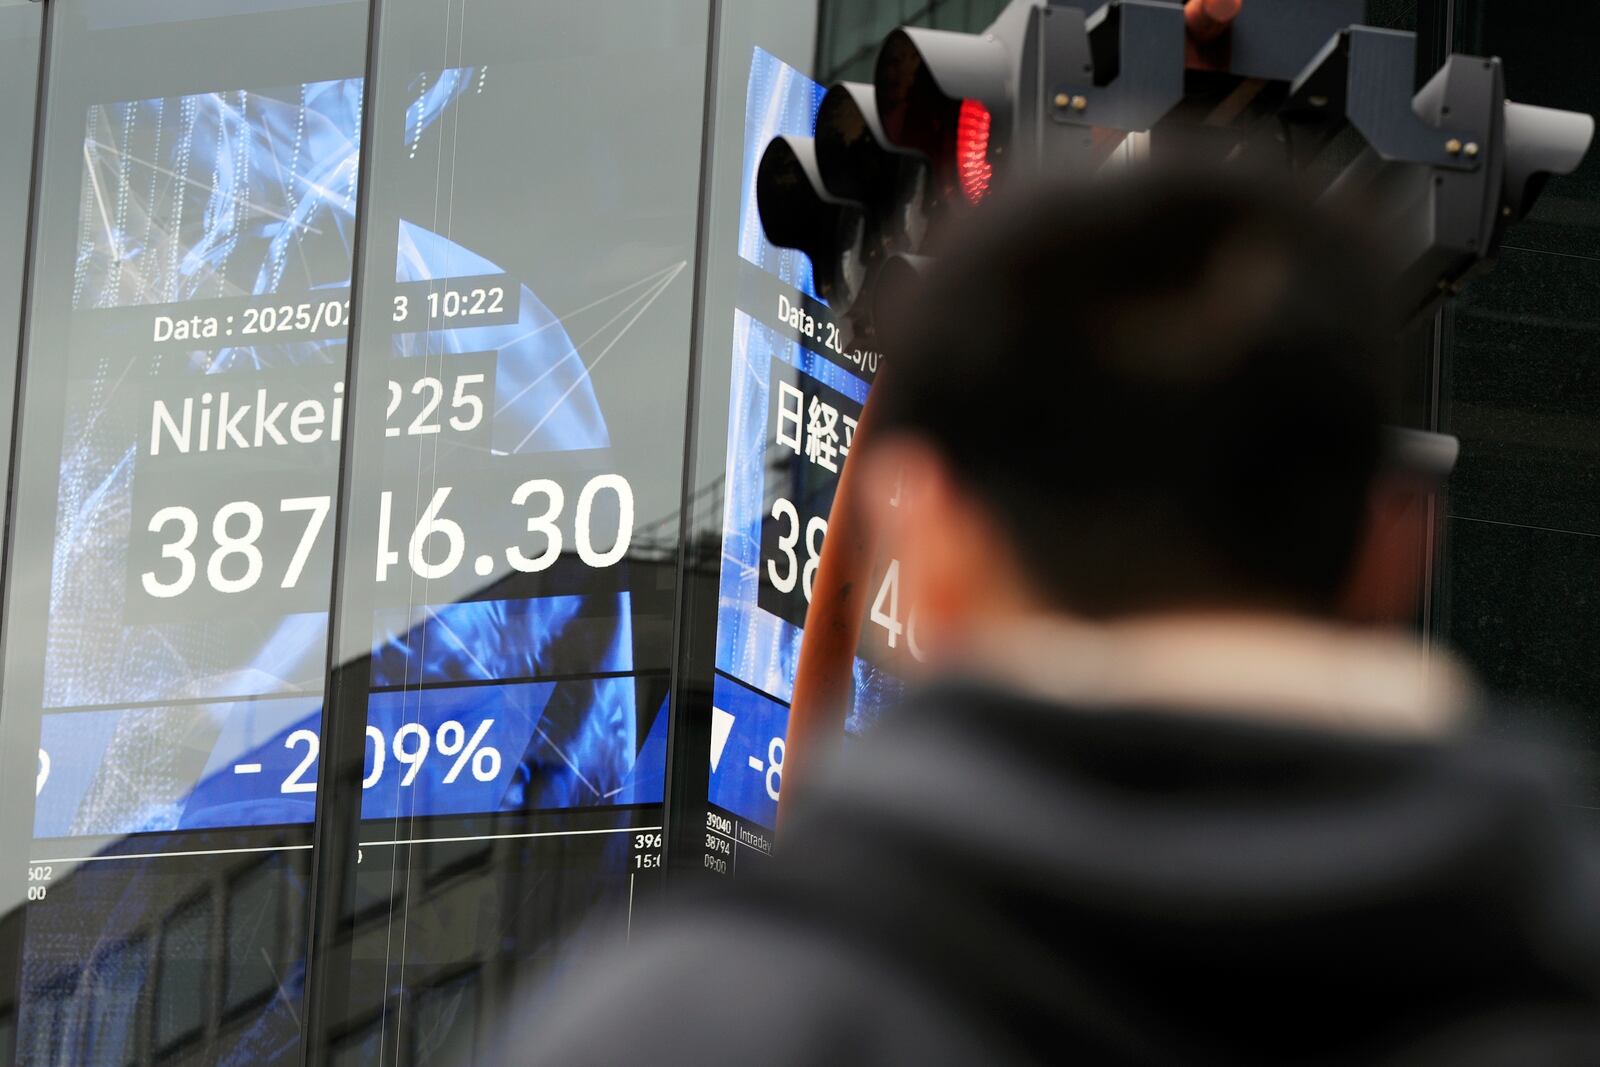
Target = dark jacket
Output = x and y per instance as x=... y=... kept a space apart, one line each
x=992 y=879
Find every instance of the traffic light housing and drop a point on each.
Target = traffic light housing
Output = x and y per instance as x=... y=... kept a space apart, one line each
x=946 y=97
x=798 y=211
x=1052 y=88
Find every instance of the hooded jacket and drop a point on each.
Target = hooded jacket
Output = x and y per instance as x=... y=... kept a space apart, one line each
x=1053 y=872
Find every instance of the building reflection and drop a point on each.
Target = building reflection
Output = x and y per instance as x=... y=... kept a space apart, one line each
x=190 y=947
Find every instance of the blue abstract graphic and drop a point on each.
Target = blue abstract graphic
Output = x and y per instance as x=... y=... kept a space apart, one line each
x=177 y=767
x=219 y=194
x=544 y=398
x=490 y=640
x=780 y=102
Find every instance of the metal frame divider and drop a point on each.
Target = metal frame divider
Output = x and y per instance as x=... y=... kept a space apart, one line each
x=682 y=735
x=335 y=831
x=10 y=954
x=1436 y=26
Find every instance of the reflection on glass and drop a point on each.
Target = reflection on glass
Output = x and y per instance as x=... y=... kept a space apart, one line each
x=48 y=1019
x=782 y=391
x=447 y=1022
x=255 y=932
x=114 y=997
x=358 y=1048
x=170 y=564
x=21 y=23
x=183 y=977
x=515 y=472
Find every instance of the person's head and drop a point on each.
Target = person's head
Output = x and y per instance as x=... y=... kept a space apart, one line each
x=1150 y=393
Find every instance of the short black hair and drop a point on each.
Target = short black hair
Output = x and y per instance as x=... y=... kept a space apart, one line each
x=1169 y=387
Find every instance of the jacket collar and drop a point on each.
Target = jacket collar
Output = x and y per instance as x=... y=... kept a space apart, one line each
x=1287 y=670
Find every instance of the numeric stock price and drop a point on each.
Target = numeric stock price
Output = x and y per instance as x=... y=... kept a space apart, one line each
x=224 y=551
x=437 y=544
x=792 y=568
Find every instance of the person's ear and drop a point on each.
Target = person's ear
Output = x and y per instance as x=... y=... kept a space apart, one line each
x=882 y=483
x=957 y=568
x=1391 y=563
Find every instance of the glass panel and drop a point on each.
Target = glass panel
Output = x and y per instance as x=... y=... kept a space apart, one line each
x=21 y=25
x=182 y=985
x=170 y=565
x=255 y=936
x=358 y=1047
x=851 y=30
x=48 y=1016
x=1521 y=388
x=114 y=999
x=21 y=28
x=515 y=478
x=781 y=391
x=1395 y=14
x=447 y=1022
x=780 y=394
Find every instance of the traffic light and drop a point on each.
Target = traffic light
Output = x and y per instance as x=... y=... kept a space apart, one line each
x=1052 y=88
x=946 y=97
x=798 y=211
x=864 y=167
x=1446 y=168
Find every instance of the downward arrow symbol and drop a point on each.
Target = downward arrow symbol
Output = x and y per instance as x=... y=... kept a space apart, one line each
x=721 y=727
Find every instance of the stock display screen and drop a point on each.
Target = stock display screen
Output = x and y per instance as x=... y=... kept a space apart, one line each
x=173 y=543
x=497 y=510
x=226 y=467
x=505 y=580
x=795 y=398
x=205 y=390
